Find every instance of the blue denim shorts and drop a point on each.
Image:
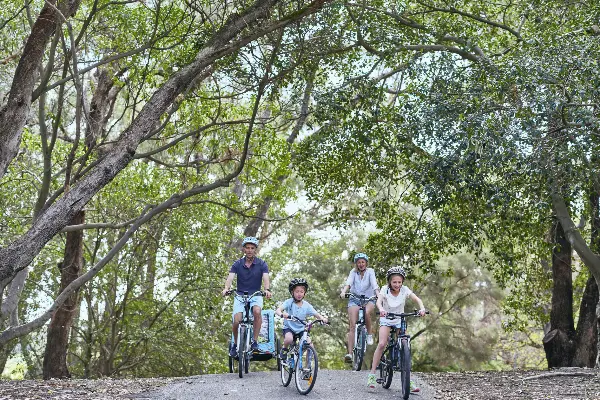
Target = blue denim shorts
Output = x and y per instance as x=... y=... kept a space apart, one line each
x=352 y=302
x=238 y=306
x=392 y=323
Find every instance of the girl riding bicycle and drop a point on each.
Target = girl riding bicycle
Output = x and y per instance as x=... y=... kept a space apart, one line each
x=361 y=281
x=392 y=299
x=297 y=307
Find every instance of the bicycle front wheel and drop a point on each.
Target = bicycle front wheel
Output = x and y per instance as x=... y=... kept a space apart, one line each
x=307 y=367
x=386 y=370
x=359 y=348
x=241 y=350
x=405 y=364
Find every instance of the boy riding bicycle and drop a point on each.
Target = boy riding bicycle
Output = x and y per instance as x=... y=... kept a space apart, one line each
x=297 y=307
x=392 y=299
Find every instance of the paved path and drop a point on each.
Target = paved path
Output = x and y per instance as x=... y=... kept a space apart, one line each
x=330 y=385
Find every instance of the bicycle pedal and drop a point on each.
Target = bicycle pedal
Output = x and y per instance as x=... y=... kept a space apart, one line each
x=379 y=380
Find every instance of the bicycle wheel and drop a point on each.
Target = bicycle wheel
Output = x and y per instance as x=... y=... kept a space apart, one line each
x=386 y=370
x=307 y=366
x=286 y=371
x=277 y=352
x=359 y=348
x=247 y=363
x=231 y=360
x=405 y=364
x=241 y=350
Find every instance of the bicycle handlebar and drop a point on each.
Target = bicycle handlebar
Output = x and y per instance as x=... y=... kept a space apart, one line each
x=360 y=297
x=234 y=292
x=305 y=323
x=403 y=315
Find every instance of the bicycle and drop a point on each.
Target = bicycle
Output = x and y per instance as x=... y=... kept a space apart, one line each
x=245 y=333
x=396 y=356
x=301 y=359
x=360 y=331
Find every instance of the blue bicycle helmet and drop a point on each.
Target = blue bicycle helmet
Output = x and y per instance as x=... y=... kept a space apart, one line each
x=251 y=240
x=358 y=256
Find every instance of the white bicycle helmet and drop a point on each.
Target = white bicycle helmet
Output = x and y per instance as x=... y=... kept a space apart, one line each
x=397 y=270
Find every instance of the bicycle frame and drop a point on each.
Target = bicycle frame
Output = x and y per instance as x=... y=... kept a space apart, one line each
x=398 y=349
x=246 y=325
x=300 y=349
x=359 y=349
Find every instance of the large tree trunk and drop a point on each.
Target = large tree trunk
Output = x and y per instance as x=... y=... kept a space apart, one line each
x=558 y=342
x=13 y=114
x=587 y=326
x=55 y=356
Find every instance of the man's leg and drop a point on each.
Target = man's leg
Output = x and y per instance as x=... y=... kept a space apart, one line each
x=257 y=312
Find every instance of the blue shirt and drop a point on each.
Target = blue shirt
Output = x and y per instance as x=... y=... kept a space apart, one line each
x=291 y=307
x=249 y=279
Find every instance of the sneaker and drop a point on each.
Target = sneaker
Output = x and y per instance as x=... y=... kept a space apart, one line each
x=369 y=340
x=348 y=358
x=283 y=354
x=413 y=387
x=371 y=381
x=254 y=345
x=233 y=351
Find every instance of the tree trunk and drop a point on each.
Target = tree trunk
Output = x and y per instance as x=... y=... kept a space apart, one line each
x=559 y=342
x=55 y=356
x=586 y=340
x=587 y=326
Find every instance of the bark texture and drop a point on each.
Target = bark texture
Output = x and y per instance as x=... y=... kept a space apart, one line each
x=55 y=356
x=559 y=342
x=13 y=114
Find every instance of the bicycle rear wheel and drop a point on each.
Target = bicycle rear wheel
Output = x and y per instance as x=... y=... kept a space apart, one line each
x=386 y=370
x=405 y=364
x=307 y=367
x=359 y=348
x=241 y=350
x=286 y=371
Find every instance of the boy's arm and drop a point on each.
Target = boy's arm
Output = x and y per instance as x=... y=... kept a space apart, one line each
x=319 y=316
x=280 y=312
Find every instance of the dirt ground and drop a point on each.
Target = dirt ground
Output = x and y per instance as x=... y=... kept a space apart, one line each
x=564 y=384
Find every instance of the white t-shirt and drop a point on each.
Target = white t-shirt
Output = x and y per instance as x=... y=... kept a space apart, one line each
x=364 y=285
x=394 y=304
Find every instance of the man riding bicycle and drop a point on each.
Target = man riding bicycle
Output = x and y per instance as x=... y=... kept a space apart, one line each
x=361 y=281
x=251 y=271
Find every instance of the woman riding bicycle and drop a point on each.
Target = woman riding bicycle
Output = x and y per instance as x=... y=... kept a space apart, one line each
x=361 y=281
x=391 y=300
